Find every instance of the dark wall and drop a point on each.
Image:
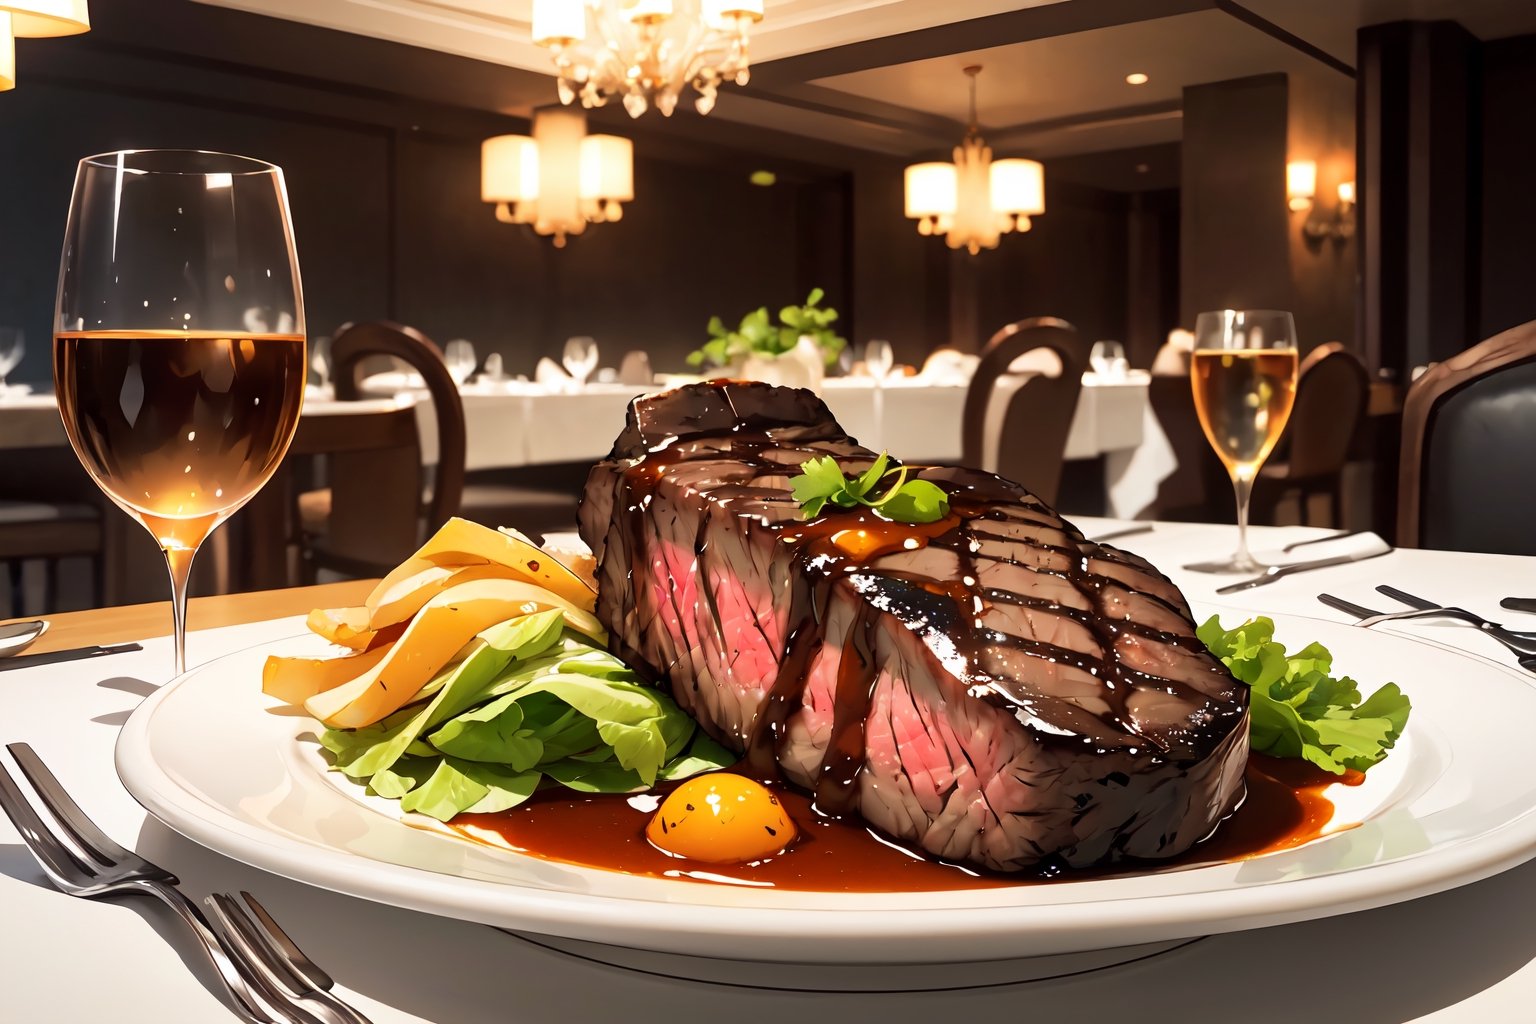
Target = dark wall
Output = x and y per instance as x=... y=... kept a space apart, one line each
x=1508 y=213
x=386 y=206
x=1071 y=264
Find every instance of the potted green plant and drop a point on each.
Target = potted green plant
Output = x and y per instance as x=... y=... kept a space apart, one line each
x=795 y=352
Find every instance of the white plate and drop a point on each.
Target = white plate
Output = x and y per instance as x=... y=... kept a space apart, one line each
x=217 y=761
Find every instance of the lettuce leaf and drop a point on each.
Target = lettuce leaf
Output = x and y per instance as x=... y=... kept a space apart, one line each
x=1298 y=708
x=532 y=700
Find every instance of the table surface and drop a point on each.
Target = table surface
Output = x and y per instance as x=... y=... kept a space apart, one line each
x=1466 y=955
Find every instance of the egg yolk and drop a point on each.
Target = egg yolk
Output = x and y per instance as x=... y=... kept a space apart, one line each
x=721 y=819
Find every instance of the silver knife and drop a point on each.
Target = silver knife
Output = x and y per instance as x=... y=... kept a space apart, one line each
x=1275 y=572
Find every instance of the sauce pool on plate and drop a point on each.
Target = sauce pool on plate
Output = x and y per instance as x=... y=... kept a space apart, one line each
x=1285 y=807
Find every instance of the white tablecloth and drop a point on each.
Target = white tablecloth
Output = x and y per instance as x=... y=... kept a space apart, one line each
x=1466 y=956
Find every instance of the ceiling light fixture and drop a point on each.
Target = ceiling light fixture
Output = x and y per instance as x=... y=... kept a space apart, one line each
x=976 y=199
x=1136 y=78
x=35 y=19
x=645 y=51
x=561 y=179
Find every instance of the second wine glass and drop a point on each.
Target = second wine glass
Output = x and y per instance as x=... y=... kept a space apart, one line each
x=1243 y=373
x=579 y=358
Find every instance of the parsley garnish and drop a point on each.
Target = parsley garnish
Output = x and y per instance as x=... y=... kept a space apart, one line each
x=821 y=482
x=1299 y=708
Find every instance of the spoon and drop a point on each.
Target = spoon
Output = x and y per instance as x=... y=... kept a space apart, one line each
x=16 y=637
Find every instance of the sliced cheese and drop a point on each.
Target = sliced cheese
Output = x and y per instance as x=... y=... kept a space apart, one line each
x=295 y=680
x=443 y=625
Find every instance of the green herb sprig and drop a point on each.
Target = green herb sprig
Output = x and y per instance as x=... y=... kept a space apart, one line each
x=758 y=335
x=1298 y=708
x=821 y=482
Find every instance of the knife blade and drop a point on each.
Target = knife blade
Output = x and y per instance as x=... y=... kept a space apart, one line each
x=1276 y=572
x=58 y=657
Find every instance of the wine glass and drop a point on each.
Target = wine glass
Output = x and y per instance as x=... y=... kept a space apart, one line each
x=579 y=358
x=1244 y=377
x=11 y=351
x=178 y=352
x=460 y=357
x=878 y=359
x=1107 y=359
x=320 y=361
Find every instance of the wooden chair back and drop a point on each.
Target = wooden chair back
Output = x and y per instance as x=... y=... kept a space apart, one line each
x=1464 y=483
x=1032 y=431
x=1331 y=393
x=373 y=460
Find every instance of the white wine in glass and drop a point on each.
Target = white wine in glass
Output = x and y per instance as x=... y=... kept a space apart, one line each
x=179 y=353
x=1243 y=373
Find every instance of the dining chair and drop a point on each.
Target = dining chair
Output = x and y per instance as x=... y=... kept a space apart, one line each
x=1198 y=489
x=1020 y=432
x=50 y=511
x=1332 y=389
x=1463 y=482
x=373 y=511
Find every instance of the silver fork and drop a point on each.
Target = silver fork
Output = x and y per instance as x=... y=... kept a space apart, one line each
x=1369 y=617
x=1512 y=637
x=282 y=963
x=85 y=862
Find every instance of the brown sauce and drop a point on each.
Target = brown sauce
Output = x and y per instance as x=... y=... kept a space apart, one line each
x=1285 y=807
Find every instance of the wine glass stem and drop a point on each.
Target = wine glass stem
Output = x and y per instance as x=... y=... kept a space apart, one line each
x=1242 y=488
x=179 y=562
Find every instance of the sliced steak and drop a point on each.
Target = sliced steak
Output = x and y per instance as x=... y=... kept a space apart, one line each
x=991 y=688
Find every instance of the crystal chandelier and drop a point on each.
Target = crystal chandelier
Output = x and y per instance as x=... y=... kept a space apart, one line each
x=561 y=179
x=975 y=200
x=645 y=51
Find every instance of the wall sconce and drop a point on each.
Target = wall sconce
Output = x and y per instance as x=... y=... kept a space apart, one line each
x=1300 y=184
x=1341 y=225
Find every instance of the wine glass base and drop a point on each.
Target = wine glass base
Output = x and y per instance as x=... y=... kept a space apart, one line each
x=1229 y=566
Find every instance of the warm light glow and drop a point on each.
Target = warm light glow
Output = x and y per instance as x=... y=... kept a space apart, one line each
x=975 y=200
x=1347 y=192
x=931 y=190
x=561 y=179
x=7 y=55
x=607 y=168
x=558 y=21
x=39 y=19
x=1018 y=187
x=1301 y=183
x=645 y=53
x=509 y=169
x=1136 y=78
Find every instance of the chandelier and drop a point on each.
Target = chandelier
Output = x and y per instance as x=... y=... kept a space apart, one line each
x=561 y=179
x=645 y=51
x=975 y=200
x=26 y=19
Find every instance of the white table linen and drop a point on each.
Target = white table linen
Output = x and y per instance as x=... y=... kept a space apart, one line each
x=1466 y=956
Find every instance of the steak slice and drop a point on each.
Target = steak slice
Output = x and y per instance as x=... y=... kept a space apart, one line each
x=992 y=688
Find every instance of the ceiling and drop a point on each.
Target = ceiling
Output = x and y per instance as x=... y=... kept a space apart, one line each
x=886 y=75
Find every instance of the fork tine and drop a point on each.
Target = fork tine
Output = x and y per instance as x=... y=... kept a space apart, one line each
x=91 y=840
x=295 y=956
x=1406 y=598
x=56 y=859
x=275 y=985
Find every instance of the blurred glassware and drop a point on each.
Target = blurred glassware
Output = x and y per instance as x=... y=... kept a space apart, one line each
x=460 y=357
x=12 y=348
x=1108 y=360
x=878 y=358
x=320 y=361
x=579 y=358
x=493 y=368
x=178 y=407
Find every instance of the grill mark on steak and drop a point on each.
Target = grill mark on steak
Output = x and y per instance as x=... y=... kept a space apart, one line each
x=739 y=463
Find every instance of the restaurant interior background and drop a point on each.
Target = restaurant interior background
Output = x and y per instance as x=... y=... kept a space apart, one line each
x=1163 y=198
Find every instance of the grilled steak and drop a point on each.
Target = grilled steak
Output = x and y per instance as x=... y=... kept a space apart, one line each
x=991 y=688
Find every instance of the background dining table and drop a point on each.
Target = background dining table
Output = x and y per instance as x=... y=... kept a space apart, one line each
x=1463 y=955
